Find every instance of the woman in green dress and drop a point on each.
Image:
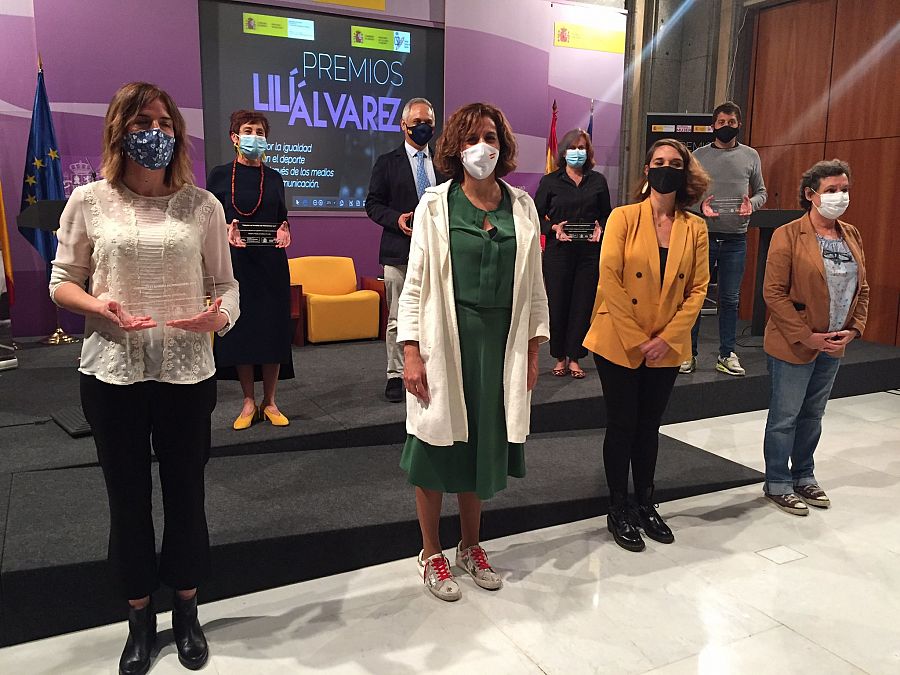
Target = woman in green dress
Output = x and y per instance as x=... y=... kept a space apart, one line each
x=472 y=314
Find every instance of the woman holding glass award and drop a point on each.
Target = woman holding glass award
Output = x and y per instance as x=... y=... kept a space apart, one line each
x=252 y=195
x=153 y=248
x=573 y=204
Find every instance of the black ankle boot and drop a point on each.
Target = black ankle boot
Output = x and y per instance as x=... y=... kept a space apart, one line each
x=617 y=522
x=649 y=520
x=136 y=656
x=193 y=651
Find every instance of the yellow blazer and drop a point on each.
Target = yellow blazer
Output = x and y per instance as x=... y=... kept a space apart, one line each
x=633 y=305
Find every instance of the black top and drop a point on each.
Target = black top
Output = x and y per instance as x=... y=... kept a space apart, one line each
x=392 y=192
x=246 y=193
x=559 y=199
x=663 y=257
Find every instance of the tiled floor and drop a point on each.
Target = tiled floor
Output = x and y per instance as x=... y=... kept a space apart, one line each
x=745 y=588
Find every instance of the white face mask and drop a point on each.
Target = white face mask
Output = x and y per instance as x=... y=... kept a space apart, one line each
x=480 y=159
x=833 y=204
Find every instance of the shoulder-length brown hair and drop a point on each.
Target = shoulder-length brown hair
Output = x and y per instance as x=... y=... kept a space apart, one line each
x=125 y=106
x=463 y=123
x=696 y=178
x=571 y=137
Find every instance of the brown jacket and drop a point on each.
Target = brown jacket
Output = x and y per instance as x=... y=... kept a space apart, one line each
x=796 y=290
x=634 y=305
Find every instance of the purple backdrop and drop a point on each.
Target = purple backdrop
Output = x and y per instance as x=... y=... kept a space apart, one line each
x=88 y=54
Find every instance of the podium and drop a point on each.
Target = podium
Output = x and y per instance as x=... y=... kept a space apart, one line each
x=43 y=215
x=766 y=221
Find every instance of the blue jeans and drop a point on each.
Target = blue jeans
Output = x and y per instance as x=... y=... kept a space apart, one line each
x=794 y=424
x=729 y=255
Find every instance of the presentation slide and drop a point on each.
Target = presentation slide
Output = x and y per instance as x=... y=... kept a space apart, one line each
x=332 y=88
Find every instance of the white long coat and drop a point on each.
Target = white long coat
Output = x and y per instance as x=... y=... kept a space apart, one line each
x=427 y=315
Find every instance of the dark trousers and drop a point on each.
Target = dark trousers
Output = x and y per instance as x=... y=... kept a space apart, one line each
x=571 y=272
x=635 y=402
x=728 y=255
x=173 y=419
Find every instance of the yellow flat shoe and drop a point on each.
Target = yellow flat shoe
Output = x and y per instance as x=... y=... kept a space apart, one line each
x=277 y=419
x=243 y=421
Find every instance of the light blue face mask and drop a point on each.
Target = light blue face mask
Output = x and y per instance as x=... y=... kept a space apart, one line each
x=576 y=157
x=252 y=146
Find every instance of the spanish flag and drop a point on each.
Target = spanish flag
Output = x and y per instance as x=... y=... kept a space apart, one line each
x=6 y=260
x=552 y=145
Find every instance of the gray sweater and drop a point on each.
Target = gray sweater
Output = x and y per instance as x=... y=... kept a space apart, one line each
x=735 y=172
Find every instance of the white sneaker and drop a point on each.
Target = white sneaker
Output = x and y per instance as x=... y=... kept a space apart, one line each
x=730 y=365
x=438 y=578
x=688 y=366
x=474 y=561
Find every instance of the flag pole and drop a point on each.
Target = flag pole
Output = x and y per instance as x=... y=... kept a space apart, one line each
x=59 y=336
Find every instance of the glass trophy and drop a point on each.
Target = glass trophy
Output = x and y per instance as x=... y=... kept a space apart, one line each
x=579 y=231
x=259 y=234
x=166 y=302
x=727 y=207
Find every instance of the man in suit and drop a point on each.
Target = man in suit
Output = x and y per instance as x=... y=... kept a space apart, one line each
x=399 y=179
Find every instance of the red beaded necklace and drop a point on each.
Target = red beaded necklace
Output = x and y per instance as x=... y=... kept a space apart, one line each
x=262 y=178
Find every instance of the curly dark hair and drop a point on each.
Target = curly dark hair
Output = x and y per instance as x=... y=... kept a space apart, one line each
x=241 y=117
x=461 y=125
x=696 y=181
x=573 y=137
x=813 y=176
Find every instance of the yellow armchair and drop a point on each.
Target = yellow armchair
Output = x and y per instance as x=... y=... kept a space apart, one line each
x=334 y=308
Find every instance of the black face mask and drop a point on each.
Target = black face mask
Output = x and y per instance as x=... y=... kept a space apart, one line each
x=421 y=133
x=665 y=179
x=725 y=134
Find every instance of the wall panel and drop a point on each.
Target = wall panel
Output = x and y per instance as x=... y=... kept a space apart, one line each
x=864 y=101
x=874 y=167
x=792 y=72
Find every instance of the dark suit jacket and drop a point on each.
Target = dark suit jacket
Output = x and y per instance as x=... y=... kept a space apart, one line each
x=392 y=192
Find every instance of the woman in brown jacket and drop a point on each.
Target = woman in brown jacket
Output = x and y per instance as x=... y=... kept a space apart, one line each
x=653 y=276
x=818 y=299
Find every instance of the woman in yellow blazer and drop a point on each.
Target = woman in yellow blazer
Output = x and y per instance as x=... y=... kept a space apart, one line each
x=818 y=300
x=653 y=276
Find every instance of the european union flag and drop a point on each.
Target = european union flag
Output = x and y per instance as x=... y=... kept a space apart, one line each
x=43 y=173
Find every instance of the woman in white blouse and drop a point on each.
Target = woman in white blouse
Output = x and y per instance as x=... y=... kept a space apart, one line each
x=152 y=250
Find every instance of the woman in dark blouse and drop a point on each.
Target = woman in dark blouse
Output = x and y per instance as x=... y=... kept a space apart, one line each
x=259 y=347
x=572 y=194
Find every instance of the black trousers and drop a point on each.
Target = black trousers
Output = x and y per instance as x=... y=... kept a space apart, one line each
x=635 y=402
x=571 y=273
x=173 y=419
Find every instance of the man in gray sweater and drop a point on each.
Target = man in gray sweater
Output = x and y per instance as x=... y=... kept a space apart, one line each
x=736 y=191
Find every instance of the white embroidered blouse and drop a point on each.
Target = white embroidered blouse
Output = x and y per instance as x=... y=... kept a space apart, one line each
x=131 y=248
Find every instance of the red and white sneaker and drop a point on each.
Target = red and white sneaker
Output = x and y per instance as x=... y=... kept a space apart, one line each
x=438 y=578
x=474 y=561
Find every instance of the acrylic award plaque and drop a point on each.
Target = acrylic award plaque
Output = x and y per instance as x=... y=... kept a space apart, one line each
x=259 y=234
x=727 y=207
x=171 y=302
x=580 y=231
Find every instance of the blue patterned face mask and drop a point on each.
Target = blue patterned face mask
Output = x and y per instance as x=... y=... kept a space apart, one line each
x=151 y=148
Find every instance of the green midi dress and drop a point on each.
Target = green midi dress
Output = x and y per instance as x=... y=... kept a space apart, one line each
x=483 y=264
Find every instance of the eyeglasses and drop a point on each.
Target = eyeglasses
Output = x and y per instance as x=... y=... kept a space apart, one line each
x=837 y=256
